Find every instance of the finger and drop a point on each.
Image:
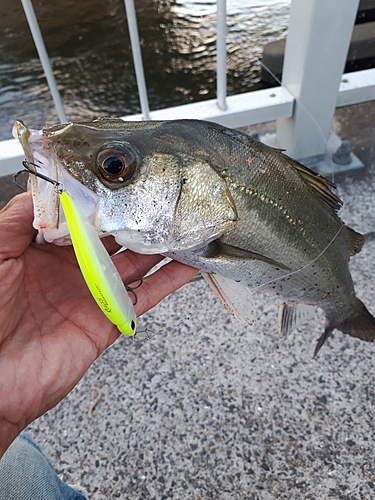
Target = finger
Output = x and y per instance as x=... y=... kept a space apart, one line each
x=16 y=229
x=163 y=282
x=133 y=265
x=111 y=245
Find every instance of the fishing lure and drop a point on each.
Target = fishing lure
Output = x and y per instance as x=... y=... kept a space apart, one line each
x=98 y=270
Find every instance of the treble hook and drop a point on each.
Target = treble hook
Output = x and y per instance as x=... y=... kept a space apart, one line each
x=140 y=335
x=132 y=288
x=59 y=187
x=143 y=335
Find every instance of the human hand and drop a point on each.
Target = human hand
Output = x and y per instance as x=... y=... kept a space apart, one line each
x=51 y=330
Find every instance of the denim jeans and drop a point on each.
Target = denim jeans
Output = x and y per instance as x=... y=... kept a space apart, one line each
x=26 y=474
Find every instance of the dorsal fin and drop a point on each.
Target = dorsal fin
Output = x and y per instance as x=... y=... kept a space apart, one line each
x=323 y=188
x=320 y=184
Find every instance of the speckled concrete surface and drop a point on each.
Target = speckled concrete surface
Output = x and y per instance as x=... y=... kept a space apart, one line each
x=209 y=409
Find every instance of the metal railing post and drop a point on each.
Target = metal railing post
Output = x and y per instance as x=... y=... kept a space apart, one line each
x=137 y=56
x=43 y=56
x=316 y=48
x=221 y=54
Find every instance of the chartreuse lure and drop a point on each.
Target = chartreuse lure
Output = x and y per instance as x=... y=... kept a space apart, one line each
x=98 y=270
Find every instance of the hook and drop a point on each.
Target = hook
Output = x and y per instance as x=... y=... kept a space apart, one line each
x=15 y=177
x=132 y=288
x=143 y=335
x=59 y=187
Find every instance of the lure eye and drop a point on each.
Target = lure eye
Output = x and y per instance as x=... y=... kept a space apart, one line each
x=116 y=162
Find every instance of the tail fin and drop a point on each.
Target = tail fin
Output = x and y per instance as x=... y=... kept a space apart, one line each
x=361 y=326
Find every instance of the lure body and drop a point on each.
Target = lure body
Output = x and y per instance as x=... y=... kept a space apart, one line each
x=98 y=270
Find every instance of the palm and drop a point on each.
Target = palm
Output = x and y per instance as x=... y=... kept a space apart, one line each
x=52 y=329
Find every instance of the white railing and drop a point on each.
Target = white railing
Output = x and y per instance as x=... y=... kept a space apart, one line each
x=43 y=56
x=137 y=56
x=313 y=84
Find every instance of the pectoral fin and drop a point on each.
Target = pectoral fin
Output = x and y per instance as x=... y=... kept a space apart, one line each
x=217 y=248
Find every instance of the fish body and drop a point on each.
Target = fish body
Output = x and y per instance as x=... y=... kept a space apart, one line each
x=213 y=198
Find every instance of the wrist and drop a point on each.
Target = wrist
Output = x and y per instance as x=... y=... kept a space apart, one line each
x=8 y=433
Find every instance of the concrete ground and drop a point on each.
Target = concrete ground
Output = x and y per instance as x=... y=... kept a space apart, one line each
x=209 y=409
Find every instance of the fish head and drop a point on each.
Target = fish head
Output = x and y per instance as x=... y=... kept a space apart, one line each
x=142 y=182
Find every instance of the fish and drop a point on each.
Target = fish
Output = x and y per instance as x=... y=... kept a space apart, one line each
x=245 y=214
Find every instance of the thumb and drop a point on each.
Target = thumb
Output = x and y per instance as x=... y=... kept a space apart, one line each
x=16 y=229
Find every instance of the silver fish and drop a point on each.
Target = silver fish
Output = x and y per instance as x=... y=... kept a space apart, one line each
x=243 y=213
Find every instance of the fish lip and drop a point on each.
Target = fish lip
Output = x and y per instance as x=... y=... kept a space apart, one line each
x=45 y=198
x=22 y=134
x=56 y=130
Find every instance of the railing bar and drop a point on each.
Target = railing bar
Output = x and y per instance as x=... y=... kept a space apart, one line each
x=250 y=108
x=43 y=56
x=221 y=54
x=314 y=59
x=137 y=56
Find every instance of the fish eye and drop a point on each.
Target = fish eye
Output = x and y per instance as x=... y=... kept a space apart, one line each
x=116 y=162
x=113 y=165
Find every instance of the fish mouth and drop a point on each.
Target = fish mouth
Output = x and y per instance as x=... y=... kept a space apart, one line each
x=49 y=218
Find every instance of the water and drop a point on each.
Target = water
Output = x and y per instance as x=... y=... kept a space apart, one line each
x=90 y=52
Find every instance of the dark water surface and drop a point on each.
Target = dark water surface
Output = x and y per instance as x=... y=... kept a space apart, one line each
x=89 y=48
